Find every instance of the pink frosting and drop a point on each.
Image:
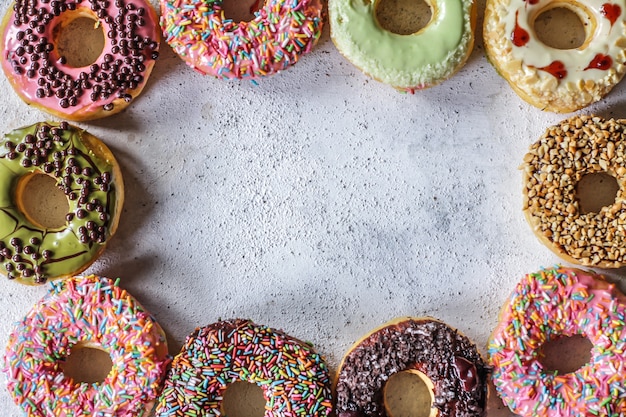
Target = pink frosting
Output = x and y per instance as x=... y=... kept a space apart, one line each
x=544 y=306
x=32 y=62
x=281 y=31
x=78 y=311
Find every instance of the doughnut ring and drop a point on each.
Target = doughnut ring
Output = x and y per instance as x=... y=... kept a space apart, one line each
x=41 y=76
x=544 y=306
x=557 y=80
x=279 y=34
x=294 y=379
x=86 y=312
x=87 y=173
x=553 y=167
x=445 y=360
x=406 y=62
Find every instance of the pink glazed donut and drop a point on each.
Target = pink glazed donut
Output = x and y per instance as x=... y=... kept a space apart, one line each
x=280 y=32
x=544 y=306
x=90 y=312
x=42 y=77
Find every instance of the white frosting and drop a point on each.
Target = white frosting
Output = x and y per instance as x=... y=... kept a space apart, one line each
x=581 y=81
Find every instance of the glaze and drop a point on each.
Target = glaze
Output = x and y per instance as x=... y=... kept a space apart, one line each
x=87 y=173
x=294 y=379
x=559 y=80
x=546 y=305
x=41 y=76
x=86 y=311
x=406 y=62
x=279 y=34
x=448 y=360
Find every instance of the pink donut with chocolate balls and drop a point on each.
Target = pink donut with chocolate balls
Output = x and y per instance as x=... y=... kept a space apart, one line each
x=42 y=74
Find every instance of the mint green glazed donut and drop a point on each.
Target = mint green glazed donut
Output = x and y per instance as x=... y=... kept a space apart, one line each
x=406 y=62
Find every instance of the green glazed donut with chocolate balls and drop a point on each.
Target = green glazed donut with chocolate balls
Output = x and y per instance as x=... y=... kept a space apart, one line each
x=33 y=251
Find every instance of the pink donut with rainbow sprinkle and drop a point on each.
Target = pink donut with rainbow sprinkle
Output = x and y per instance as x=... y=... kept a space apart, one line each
x=86 y=312
x=544 y=306
x=281 y=31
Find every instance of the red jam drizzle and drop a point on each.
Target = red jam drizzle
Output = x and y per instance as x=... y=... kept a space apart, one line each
x=556 y=69
x=611 y=12
x=601 y=62
x=466 y=371
x=520 y=36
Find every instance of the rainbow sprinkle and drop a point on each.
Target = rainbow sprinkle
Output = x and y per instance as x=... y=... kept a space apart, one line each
x=281 y=31
x=294 y=378
x=77 y=311
x=544 y=306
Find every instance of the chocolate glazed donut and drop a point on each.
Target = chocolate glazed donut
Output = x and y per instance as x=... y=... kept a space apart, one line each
x=449 y=361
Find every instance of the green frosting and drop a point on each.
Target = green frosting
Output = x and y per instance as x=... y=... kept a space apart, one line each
x=30 y=253
x=404 y=61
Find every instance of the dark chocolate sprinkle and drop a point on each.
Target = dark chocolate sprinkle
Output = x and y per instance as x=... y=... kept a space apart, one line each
x=429 y=346
x=50 y=151
x=122 y=34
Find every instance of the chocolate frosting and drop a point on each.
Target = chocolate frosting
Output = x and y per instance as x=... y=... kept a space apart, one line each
x=448 y=358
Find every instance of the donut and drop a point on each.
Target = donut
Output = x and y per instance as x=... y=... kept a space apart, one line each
x=214 y=45
x=406 y=62
x=552 y=168
x=42 y=77
x=557 y=80
x=294 y=379
x=84 y=312
x=89 y=176
x=445 y=360
x=544 y=306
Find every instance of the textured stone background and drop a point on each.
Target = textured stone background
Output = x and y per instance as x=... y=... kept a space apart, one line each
x=320 y=201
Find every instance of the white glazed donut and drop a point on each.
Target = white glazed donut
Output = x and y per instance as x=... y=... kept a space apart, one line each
x=557 y=80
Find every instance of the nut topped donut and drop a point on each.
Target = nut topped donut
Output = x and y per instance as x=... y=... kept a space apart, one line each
x=445 y=360
x=89 y=176
x=42 y=76
x=553 y=167
x=552 y=79
x=294 y=379
x=212 y=44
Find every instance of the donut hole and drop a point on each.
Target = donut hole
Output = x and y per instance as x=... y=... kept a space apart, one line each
x=563 y=26
x=42 y=202
x=403 y=17
x=565 y=354
x=409 y=394
x=595 y=191
x=87 y=364
x=243 y=399
x=240 y=11
x=79 y=39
